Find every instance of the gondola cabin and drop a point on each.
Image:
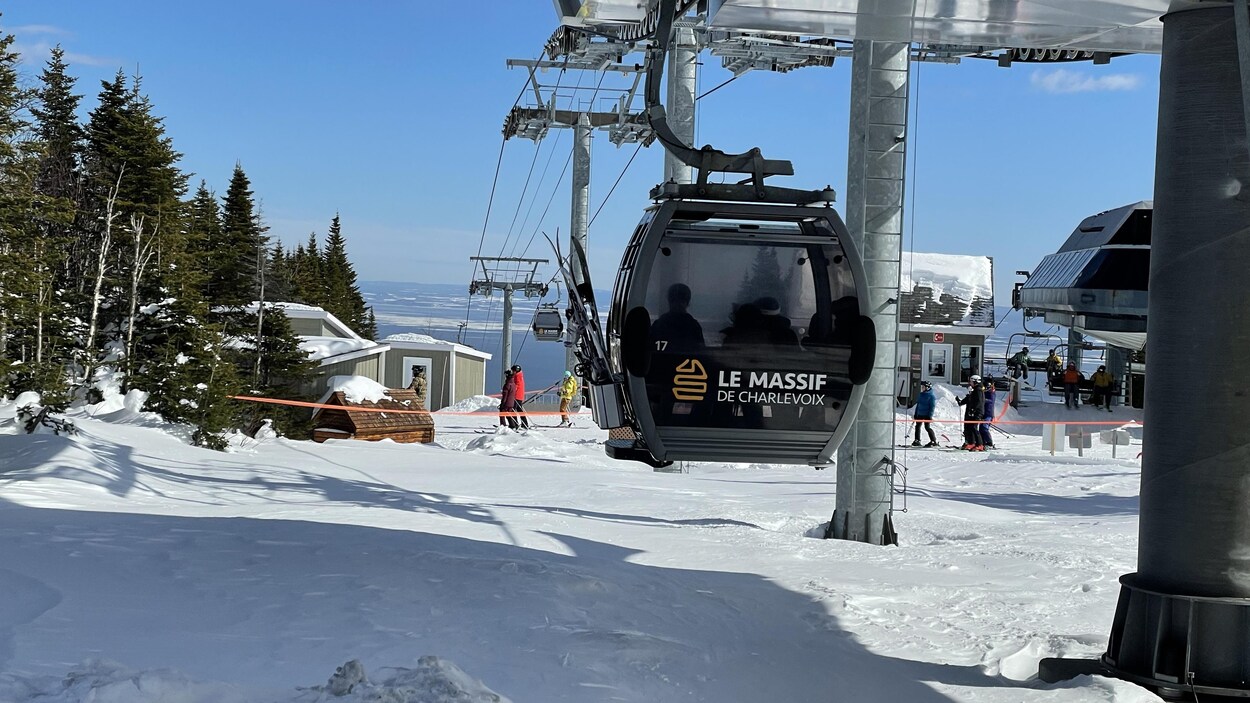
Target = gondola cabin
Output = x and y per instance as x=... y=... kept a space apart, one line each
x=548 y=325
x=740 y=333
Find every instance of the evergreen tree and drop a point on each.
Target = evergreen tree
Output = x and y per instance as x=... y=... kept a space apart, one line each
x=285 y=371
x=56 y=123
x=764 y=279
x=343 y=298
x=62 y=261
x=27 y=259
x=278 y=285
x=233 y=279
x=307 y=276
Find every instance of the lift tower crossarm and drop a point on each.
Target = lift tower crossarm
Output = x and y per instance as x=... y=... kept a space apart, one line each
x=518 y=279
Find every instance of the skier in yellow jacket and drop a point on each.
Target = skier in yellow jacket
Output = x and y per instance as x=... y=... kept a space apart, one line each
x=568 y=391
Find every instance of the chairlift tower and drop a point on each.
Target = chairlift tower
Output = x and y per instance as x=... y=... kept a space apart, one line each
x=623 y=124
x=507 y=274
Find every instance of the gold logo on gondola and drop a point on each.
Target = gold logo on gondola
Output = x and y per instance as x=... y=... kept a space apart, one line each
x=690 y=381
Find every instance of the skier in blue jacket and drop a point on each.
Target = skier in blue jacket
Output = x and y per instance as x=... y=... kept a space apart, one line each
x=925 y=404
x=987 y=440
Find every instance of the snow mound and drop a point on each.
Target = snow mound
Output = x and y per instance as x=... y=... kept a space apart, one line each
x=472 y=404
x=434 y=680
x=357 y=389
x=27 y=398
x=102 y=681
x=531 y=445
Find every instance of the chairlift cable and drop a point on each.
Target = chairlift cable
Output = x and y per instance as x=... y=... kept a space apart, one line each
x=490 y=309
x=495 y=180
x=722 y=85
x=912 y=154
x=603 y=74
x=614 y=185
x=546 y=166
x=541 y=218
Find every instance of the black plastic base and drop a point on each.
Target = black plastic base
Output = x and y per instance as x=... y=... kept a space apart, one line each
x=1180 y=645
x=629 y=450
x=1054 y=669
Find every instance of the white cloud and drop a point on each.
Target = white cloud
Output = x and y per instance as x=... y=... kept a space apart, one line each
x=1062 y=80
x=39 y=52
x=38 y=29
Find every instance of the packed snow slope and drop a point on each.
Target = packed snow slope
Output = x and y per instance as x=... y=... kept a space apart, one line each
x=529 y=567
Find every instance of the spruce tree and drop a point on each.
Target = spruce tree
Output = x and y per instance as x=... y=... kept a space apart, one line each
x=308 y=279
x=343 y=297
x=56 y=123
x=203 y=236
x=233 y=279
x=28 y=256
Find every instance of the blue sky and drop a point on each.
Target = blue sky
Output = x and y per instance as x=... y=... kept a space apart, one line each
x=390 y=113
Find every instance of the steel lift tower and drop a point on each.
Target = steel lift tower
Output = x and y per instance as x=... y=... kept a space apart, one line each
x=1182 y=625
x=508 y=275
x=623 y=125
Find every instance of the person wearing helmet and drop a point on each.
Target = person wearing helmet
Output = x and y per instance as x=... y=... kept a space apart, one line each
x=987 y=387
x=926 y=402
x=974 y=411
x=568 y=391
x=1071 y=387
x=519 y=403
x=1102 y=387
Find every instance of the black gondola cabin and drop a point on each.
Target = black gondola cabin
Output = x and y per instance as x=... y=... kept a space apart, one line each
x=737 y=332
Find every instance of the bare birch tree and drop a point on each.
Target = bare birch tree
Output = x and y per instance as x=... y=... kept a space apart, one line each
x=142 y=253
x=106 y=244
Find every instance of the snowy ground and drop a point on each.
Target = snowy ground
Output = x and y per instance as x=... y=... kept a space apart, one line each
x=136 y=568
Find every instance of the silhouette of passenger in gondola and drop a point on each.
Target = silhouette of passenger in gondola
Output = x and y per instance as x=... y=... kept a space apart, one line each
x=779 y=329
x=675 y=336
x=835 y=326
x=752 y=326
x=677 y=329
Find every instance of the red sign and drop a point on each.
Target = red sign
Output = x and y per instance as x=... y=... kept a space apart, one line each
x=938 y=337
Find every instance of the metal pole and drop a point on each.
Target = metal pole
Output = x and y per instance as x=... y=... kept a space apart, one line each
x=1075 y=352
x=874 y=216
x=1180 y=624
x=507 y=333
x=683 y=74
x=579 y=220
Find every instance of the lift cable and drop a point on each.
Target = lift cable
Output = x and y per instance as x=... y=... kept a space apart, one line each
x=495 y=180
x=912 y=154
x=614 y=185
x=490 y=308
x=722 y=85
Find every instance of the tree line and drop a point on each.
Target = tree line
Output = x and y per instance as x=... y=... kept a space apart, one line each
x=111 y=274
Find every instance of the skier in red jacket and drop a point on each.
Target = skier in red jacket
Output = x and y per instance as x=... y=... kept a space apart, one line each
x=519 y=402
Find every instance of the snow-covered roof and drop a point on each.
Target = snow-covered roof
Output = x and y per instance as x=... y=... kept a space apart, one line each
x=946 y=289
x=306 y=312
x=412 y=340
x=319 y=348
x=414 y=337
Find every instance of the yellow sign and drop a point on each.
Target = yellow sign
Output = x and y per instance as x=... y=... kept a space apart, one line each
x=690 y=381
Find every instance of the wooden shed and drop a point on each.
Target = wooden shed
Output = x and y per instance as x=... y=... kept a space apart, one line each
x=361 y=420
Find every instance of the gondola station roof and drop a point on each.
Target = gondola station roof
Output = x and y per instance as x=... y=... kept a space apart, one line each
x=946 y=290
